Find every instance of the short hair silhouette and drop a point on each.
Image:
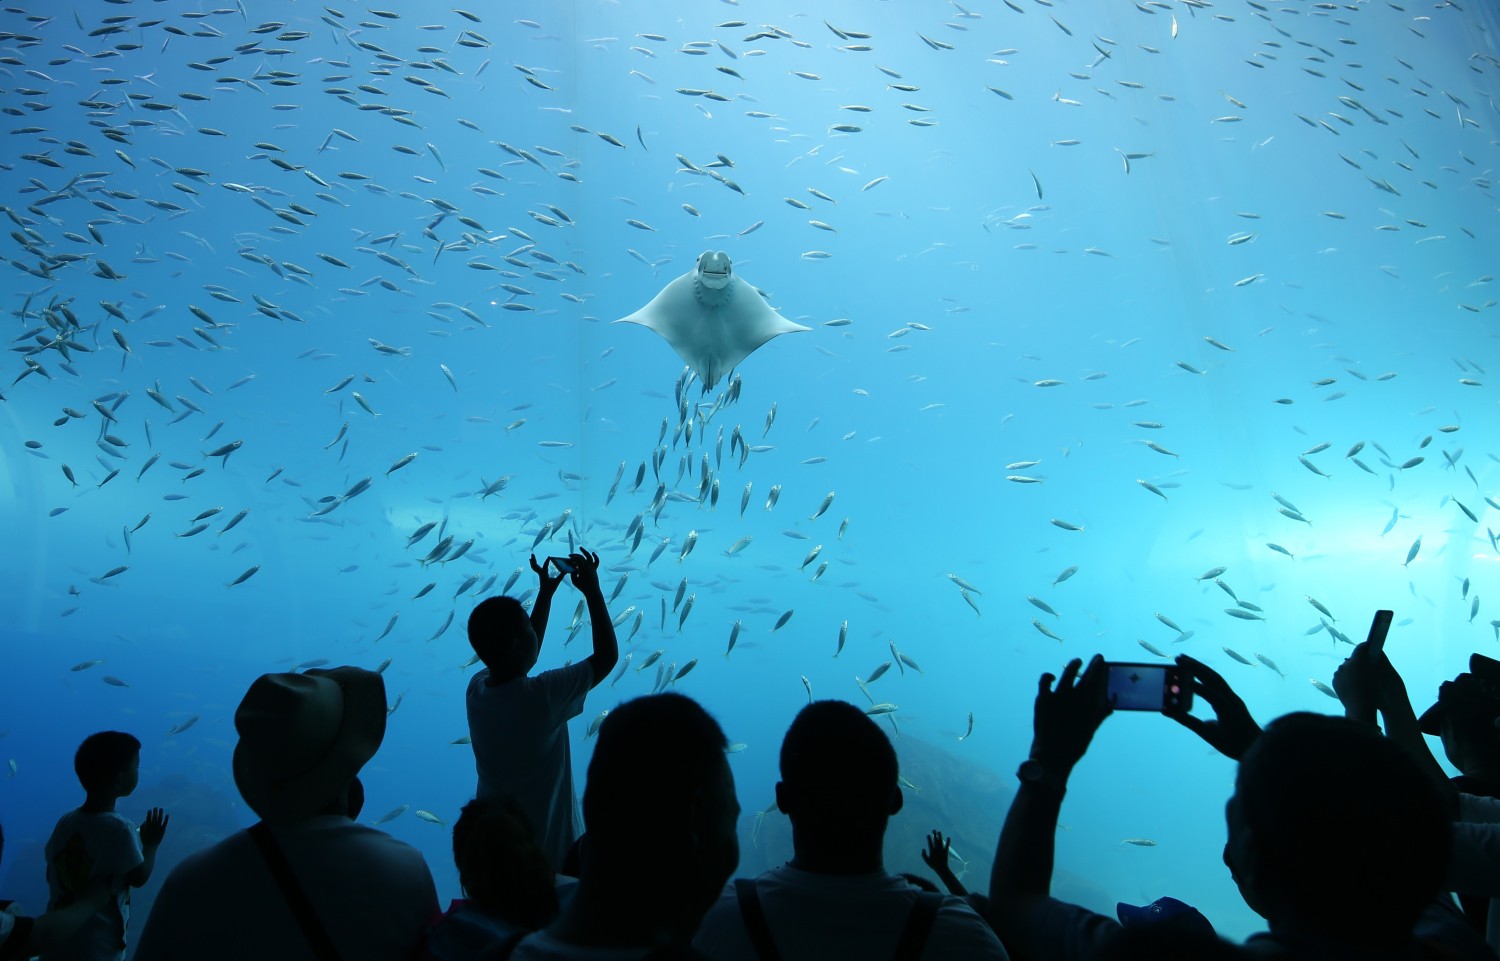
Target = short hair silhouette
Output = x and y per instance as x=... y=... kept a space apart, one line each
x=104 y=756
x=1344 y=825
x=838 y=761
x=500 y=865
x=652 y=755
x=495 y=625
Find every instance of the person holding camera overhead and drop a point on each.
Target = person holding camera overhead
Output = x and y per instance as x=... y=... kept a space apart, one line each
x=1336 y=836
x=518 y=723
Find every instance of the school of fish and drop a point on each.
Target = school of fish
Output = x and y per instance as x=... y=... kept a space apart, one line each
x=296 y=265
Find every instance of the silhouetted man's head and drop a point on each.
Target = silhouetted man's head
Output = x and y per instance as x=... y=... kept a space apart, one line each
x=501 y=634
x=659 y=806
x=1335 y=830
x=838 y=771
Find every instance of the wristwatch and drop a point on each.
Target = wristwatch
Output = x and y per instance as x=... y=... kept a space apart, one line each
x=1033 y=771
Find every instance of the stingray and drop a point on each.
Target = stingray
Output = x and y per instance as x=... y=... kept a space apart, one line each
x=712 y=318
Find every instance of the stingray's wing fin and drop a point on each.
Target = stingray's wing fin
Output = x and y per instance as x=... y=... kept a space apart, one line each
x=753 y=324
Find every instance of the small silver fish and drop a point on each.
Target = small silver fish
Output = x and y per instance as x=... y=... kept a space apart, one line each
x=392 y=814
x=1042 y=605
x=1043 y=628
x=1270 y=663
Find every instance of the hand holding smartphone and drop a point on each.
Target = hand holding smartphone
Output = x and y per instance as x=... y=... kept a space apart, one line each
x=1148 y=687
x=562 y=565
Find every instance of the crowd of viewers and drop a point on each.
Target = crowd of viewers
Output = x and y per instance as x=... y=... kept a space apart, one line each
x=1344 y=833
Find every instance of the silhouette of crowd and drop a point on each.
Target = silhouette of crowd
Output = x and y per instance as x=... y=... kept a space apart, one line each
x=1343 y=833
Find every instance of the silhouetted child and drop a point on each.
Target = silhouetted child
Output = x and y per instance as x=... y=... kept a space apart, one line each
x=518 y=724
x=93 y=844
x=511 y=889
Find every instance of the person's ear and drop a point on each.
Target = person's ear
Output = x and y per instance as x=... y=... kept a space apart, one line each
x=1239 y=855
x=897 y=802
x=785 y=798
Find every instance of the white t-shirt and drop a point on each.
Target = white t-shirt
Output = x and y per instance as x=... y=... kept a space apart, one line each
x=86 y=847
x=814 y=917
x=373 y=894
x=519 y=731
x=7 y=925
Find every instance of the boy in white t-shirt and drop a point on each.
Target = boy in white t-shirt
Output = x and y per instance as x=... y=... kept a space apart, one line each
x=518 y=723
x=93 y=844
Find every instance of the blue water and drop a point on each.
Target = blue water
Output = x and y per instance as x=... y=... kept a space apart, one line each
x=999 y=254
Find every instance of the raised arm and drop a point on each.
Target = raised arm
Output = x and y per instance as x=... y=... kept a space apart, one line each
x=606 y=649
x=1367 y=682
x=1064 y=723
x=546 y=586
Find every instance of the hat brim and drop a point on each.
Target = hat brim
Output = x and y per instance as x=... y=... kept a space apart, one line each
x=361 y=730
x=1431 y=721
x=1487 y=669
x=1168 y=912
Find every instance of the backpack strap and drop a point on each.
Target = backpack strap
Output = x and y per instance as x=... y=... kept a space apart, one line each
x=754 y=916
x=918 y=926
x=296 y=898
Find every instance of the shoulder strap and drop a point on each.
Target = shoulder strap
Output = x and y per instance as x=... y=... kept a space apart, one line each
x=918 y=926
x=296 y=897
x=755 y=920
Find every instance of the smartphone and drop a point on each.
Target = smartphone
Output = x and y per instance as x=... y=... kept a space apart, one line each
x=1379 y=627
x=562 y=564
x=1148 y=687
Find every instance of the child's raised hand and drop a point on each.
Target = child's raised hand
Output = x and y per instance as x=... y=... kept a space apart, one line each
x=936 y=855
x=154 y=828
x=585 y=571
